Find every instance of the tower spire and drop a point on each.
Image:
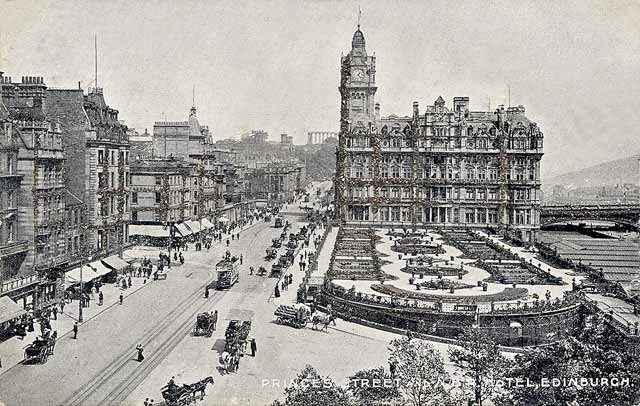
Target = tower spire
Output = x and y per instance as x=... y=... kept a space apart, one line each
x=193 y=96
x=95 y=51
x=359 y=16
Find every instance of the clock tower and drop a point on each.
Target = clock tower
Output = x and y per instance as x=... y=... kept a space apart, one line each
x=359 y=87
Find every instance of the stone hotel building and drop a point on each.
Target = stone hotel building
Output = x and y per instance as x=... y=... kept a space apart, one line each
x=442 y=166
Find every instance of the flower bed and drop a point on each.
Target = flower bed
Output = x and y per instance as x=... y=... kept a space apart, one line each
x=428 y=270
x=507 y=294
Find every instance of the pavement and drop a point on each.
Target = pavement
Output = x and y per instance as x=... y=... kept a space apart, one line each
x=99 y=368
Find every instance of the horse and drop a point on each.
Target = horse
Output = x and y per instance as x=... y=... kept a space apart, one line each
x=324 y=320
x=225 y=360
x=200 y=386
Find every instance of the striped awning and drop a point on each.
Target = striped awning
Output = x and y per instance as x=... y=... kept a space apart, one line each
x=115 y=262
x=100 y=269
x=72 y=277
x=9 y=309
x=149 y=230
x=182 y=229
x=193 y=225
x=207 y=224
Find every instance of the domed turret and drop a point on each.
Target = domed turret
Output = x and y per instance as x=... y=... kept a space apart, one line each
x=358 y=39
x=194 y=125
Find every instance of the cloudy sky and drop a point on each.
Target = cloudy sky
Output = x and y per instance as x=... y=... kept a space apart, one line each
x=274 y=65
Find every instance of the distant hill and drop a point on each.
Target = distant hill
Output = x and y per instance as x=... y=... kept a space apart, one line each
x=614 y=172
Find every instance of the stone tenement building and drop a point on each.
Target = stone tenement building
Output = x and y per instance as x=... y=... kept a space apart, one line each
x=40 y=201
x=13 y=243
x=215 y=181
x=160 y=191
x=275 y=182
x=442 y=167
x=97 y=149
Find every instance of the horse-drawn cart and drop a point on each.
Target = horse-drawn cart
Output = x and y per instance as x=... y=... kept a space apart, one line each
x=236 y=335
x=184 y=395
x=271 y=253
x=204 y=325
x=39 y=351
x=296 y=315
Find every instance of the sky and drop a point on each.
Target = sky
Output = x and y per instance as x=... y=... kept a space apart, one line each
x=274 y=65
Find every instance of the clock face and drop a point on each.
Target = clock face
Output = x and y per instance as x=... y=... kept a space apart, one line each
x=358 y=74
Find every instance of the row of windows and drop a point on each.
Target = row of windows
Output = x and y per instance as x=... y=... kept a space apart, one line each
x=398 y=172
x=478 y=143
x=443 y=193
x=108 y=179
x=102 y=155
x=441 y=215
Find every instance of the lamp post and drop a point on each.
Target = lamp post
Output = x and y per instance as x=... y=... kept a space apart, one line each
x=84 y=239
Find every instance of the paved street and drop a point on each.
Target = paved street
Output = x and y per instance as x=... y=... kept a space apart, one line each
x=99 y=367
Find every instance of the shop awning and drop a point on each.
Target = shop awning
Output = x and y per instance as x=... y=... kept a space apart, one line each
x=100 y=269
x=115 y=262
x=149 y=230
x=73 y=276
x=182 y=229
x=223 y=219
x=9 y=309
x=207 y=224
x=193 y=225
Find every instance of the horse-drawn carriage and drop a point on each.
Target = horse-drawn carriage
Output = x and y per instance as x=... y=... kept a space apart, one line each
x=271 y=253
x=296 y=315
x=40 y=350
x=276 y=243
x=262 y=271
x=184 y=395
x=236 y=335
x=283 y=263
x=205 y=323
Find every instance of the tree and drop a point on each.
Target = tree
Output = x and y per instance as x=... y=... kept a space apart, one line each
x=598 y=352
x=373 y=387
x=311 y=389
x=479 y=359
x=419 y=371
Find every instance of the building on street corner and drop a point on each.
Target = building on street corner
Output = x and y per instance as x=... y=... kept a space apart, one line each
x=444 y=166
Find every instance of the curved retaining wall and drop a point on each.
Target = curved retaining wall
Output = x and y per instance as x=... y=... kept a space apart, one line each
x=515 y=329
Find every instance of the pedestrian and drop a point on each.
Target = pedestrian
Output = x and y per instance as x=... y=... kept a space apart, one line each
x=129 y=280
x=277 y=291
x=121 y=298
x=215 y=319
x=240 y=259
x=62 y=306
x=140 y=351
x=392 y=369
x=206 y=292
x=55 y=312
x=238 y=237
x=100 y=299
x=146 y=402
x=227 y=242
x=233 y=237
x=75 y=330
x=254 y=348
x=151 y=402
